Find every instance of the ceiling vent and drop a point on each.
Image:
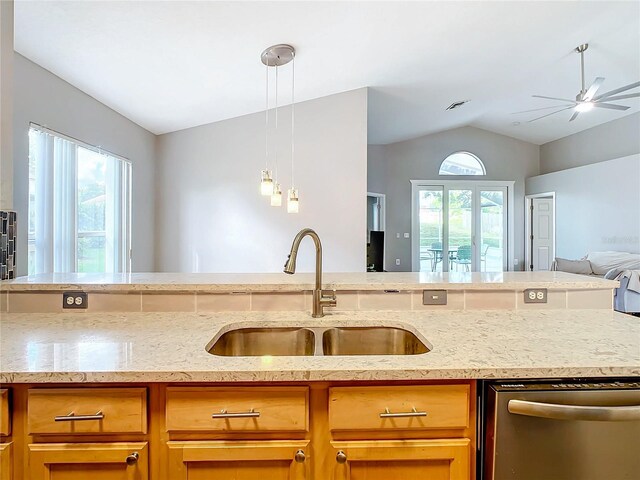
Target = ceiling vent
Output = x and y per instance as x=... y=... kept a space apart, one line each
x=456 y=104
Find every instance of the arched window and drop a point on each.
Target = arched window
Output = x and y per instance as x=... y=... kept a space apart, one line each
x=462 y=163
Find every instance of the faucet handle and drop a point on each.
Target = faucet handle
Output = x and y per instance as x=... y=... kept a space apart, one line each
x=328 y=300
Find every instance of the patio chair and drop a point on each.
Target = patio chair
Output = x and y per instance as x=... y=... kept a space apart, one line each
x=463 y=257
x=483 y=257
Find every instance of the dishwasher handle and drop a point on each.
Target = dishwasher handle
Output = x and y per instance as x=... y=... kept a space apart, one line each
x=575 y=412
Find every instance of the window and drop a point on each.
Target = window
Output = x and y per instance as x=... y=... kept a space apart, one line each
x=79 y=206
x=462 y=163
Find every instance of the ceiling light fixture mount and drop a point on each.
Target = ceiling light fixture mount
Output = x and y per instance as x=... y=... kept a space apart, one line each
x=278 y=55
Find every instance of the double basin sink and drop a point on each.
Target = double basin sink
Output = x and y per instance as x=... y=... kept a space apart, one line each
x=317 y=341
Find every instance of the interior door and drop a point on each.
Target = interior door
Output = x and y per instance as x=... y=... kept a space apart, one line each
x=542 y=233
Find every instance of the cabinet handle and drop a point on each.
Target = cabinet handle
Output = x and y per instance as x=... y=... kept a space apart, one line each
x=300 y=457
x=72 y=417
x=132 y=458
x=224 y=414
x=412 y=413
x=341 y=457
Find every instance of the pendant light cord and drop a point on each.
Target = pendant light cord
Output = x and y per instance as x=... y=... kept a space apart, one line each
x=266 y=121
x=275 y=148
x=293 y=115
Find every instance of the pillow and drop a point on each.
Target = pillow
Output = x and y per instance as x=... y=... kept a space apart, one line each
x=602 y=262
x=582 y=267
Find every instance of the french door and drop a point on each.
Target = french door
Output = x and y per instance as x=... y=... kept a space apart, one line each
x=460 y=226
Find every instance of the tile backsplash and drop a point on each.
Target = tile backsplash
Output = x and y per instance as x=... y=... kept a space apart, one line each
x=8 y=232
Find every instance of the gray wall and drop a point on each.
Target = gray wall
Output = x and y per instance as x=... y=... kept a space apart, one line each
x=376 y=169
x=597 y=206
x=45 y=99
x=6 y=105
x=505 y=158
x=610 y=140
x=211 y=218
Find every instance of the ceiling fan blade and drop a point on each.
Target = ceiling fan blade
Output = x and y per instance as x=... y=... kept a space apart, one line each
x=622 y=97
x=548 y=114
x=574 y=116
x=538 y=109
x=555 y=98
x=610 y=106
x=597 y=83
x=617 y=90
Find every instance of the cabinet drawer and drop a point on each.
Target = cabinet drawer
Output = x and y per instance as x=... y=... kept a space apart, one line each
x=240 y=409
x=399 y=408
x=87 y=410
x=5 y=415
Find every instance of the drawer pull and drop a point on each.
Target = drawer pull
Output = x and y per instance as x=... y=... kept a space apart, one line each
x=341 y=457
x=300 y=457
x=132 y=458
x=72 y=417
x=224 y=414
x=412 y=413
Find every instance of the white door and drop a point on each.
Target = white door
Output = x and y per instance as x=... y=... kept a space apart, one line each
x=542 y=233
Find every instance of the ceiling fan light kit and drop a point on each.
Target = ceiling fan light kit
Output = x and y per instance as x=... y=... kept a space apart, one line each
x=587 y=99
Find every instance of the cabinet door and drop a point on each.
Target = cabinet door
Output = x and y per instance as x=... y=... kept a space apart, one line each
x=402 y=459
x=6 y=461
x=238 y=460
x=93 y=461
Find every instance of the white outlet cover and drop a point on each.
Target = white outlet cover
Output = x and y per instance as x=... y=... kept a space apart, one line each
x=397 y=261
x=406 y=235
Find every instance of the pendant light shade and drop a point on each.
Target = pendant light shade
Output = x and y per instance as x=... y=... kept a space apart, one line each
x=266 y=183
x=276 y=196
x=292 y=201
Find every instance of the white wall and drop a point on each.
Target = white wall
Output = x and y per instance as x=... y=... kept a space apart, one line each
x=211 y=218
x=597 y=206
x=6 y=105
x=45 y=99
x=615 y=139
x=505 y=158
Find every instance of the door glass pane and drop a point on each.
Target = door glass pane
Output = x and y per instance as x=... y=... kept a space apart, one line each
x=492 y=231
x=460 y=228
x=431 y=228
x=91 y=209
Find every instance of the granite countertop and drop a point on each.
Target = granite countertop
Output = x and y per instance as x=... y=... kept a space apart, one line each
x=269 y=282
x=170 y=347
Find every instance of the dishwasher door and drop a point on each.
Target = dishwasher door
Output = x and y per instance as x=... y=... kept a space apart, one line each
x=545 y=437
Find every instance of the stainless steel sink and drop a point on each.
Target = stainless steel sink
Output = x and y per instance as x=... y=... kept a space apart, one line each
x=317 y=340
x=255 y=342
x=371 y=341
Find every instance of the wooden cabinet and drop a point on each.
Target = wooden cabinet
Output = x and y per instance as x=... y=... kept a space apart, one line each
x=402 y=459
x=93 y=461
x=5 y=416
x=238 y=409
x=238 y=460
x=6 y=461
x=73 y=411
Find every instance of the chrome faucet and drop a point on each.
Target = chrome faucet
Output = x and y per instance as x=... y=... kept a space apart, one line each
x=319 y=299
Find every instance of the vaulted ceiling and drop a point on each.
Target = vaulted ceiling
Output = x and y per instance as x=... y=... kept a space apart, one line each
x=173 y=65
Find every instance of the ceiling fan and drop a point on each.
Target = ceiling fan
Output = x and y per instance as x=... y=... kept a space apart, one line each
x=587 y=98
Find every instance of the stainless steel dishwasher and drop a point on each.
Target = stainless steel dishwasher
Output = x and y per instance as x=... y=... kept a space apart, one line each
x=581 y=430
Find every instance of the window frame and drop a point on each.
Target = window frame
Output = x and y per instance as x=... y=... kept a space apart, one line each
x=462 y=152
x=123 y=205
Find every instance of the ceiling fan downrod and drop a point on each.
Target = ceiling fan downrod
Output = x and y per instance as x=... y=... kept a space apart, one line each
x=581 y=49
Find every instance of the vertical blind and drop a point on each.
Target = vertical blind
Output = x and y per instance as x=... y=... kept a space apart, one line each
x=79 y=206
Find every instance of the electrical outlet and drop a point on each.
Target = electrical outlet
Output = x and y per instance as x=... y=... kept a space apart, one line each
x=434 y=297
x=397 y=261
x=406 y=234
x=75 y=300
x=535 y=295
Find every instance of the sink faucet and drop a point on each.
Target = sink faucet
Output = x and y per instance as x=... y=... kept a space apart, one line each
x=319 y=299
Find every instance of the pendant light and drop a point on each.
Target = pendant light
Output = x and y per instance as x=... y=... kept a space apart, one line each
x=292 y=200
x=277 y=56
x=266 y=182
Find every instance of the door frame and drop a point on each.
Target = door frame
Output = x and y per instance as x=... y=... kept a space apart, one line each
x=469 y=184
x=528 y=199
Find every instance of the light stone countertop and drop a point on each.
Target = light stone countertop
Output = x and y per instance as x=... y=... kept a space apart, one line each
x=271 y=282
x=170 y=347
